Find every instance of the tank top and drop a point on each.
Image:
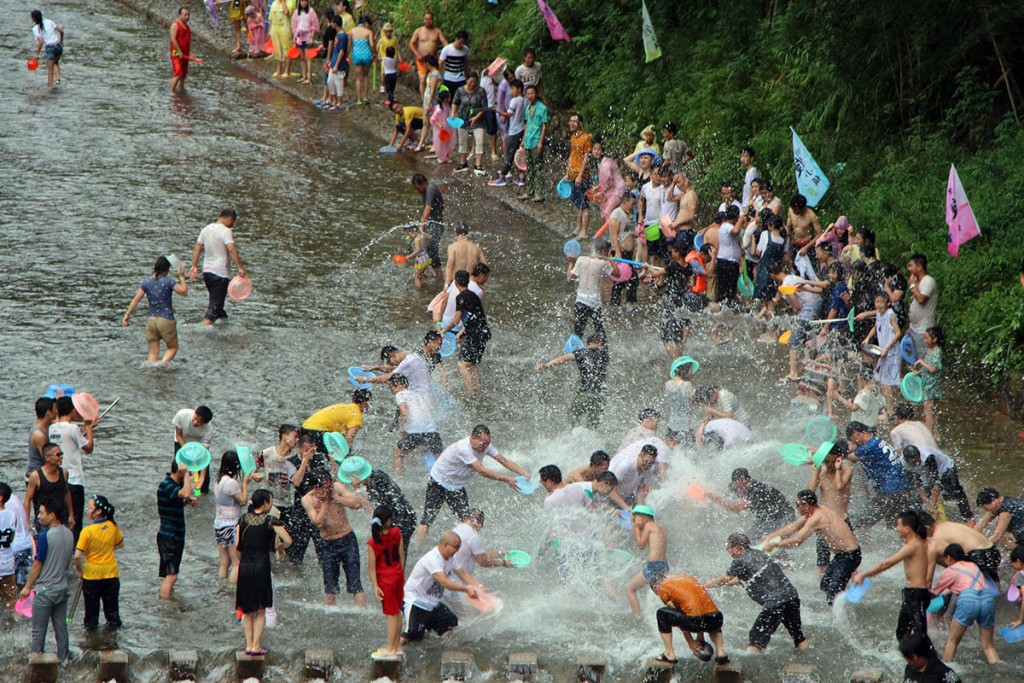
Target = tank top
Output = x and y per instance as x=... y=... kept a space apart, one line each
x=184 y=39
x=50 y=489
x=386 y=553
x=35 y=458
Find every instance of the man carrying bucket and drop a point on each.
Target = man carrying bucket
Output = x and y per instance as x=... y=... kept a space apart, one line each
x=172 y=495
x=193 y=426
x=343 y=418
x=217 y=244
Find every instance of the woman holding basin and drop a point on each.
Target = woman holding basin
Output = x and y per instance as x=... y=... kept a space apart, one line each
x=231 y=492
x=159 y=289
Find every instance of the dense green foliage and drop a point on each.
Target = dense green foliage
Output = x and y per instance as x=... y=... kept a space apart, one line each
x=896 y=91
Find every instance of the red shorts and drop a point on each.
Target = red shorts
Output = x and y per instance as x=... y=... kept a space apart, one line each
x=180 y=67
x=393 y=587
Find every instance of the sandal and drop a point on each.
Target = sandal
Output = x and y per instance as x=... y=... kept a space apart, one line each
x=664 y=659
x=721 y=661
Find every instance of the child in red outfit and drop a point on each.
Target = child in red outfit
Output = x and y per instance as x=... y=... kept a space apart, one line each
x=387 y=574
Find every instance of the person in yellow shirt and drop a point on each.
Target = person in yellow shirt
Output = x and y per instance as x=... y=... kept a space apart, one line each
x=96 y=546
x=344 y=418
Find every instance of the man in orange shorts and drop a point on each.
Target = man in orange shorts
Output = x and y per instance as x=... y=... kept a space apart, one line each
x=426 y=40
x=181 y=49
x=689 y=608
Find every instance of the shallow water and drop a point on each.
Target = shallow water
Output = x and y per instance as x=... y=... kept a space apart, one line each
x=108 y=171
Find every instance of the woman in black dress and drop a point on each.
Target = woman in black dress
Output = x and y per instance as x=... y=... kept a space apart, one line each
x=258 y=536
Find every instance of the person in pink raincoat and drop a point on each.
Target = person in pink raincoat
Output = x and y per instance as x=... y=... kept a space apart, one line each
x=439 y=123
x=610 y=185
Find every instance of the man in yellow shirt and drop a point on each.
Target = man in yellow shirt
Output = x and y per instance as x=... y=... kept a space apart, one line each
x=344 y=418
x=96 y=546
x=407 y=121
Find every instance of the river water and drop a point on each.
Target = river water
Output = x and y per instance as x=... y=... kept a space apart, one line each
x=108 y=171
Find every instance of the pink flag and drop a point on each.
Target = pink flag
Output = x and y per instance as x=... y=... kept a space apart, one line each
x=557 y=32
x=959 y=215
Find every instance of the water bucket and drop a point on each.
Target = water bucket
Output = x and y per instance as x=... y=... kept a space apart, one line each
x=571 y=249
x=400 y=259
x=652 y=232
x=86 y=405
x=484 y=602
x=245 y=459
x=872 y=350
x=795 y=454
x=518 y=558
x=820 y=429
x=268 y=47
x=784 y=337
x=621 y=272
x=937 y=603
x=240 y=288
x=312 y=53
x=787 y=289
x=336 y=445
x=621 y=556
x=912 y=388
x=356 y=371
x=23 y=606
x=403 y=66
x=193 y=456
x=573 y=344
x=745 y=285
x=428 y=461
x=354 y=467
x=388 y=149
x=624 y=519
x=293 y=52
x=1013 y=634
x=526 y=485
x=823 y=450
x=435 y=304
x=56 y=390
x=449 y=342
x=696 y=492
x=698 y=241
x=443 y=135
x=564 y=188
x=32 y=65
x=680 y=362
x=857 y=591
x=907 y=349
x=455 y=122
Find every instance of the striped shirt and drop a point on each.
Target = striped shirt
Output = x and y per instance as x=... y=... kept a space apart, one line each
x=171 y=509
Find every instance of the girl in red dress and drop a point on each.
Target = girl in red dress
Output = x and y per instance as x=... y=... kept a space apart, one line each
x=387 y=560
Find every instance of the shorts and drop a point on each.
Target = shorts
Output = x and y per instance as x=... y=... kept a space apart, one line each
x=975 y=606
x=179 y=66
x=431 y=440
x=161 y=329
x=473 y=347
x=705 y=623
x=673 y=325
x=393 y=587
x=225 y=534
x=336 y=83
x=170 y=550
x=22 y=566
x=491 y=122
x=579 y=195
x=418 y=621
x=800 y=335
x=421 y=68
x=417 y=124
x=54 y=52
x=837 y=574
x=655 y=568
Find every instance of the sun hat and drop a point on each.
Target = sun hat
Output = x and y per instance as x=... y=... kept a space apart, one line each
x=643 y=510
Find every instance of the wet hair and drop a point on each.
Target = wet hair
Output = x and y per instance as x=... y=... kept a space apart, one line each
x=648 y=413
x=599 y=458
x=985 y=496
x=387 y=351
x=174 y=465
x=916 y=644
x=912 y=453
x=398 y=380
x=749 y=152
x=1017 y=554
x=766 y=215
x=551 y=473
x=475 y=514
x=431 y=336
x=480 y=430
x=955 y=551
x=807 y=497
x=443 y=96
x=866 y=234
x=920 y=259
x=260 y=497
x=911 y=519
x=649 y=449
x=5 y=492
x=766 y=185
x=37 y=17
x=671 y=128
x=904 y=411
x=834 y=269
x=462 y=278
x=940 y=336
x=826 y=248
x=798 y=201
x=365 y=19
x=739 y=474
x=205 y=414
x=286 y=428
x=867 y=249
x=419 y=178
x=382 y=514
x=361 y=395
x=855 y=426
x=595 y=338
x=462 y=229
x=602 y=246
x=162 y=266
x=44 y=404
x=180 y=10
x=529 y=51
x=306 y=437
x=738 y=541
x=609 y=479
x=732 y=212
x=926 y=519
x=230 y=466
x=480 y=269
x=298 y=8
x=65 y=406
x=104 y=506
x=713 y=440
x=704 y=394
x=228 y=213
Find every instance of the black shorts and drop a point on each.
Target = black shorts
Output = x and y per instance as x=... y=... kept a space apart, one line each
x=673 y=325
x=705 y=623
x=170 y=550
x=473 y=347
x=432 y=441
x=417 y=124
x=418 y=621
x=491 y=122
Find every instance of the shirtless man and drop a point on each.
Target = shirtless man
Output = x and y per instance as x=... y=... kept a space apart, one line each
x=325 y=505
x=832 y=480
x=687 y=204
x=426 y=40
x=914 y=556
x=802 y=226
x=980 y=550
x=648 y=534
x=463 y=254
x=598 y=463
x=837 y=534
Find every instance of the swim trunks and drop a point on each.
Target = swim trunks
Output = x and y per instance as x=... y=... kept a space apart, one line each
x=655 y=568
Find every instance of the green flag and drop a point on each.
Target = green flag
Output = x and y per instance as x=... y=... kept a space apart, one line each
x=651 y=49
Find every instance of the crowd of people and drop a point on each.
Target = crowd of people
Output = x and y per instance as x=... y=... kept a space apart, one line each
x=842 y=313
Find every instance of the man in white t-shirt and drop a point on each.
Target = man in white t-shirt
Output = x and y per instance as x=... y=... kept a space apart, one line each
x=529 y=72
x=634 y=473
x=455 y=468
x=747 y=155
x=425 y=587
x=453 y=59
x=396 y=361
x=590 y=272
x=805 y=302
x=416 y=422
x=724 y=433
x=194 y=426
x=471 y=554
x=924 y=293
x=578 y=494
x=218 y=242
x=74 y=444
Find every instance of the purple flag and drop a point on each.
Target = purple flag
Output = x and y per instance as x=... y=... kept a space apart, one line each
x=959 y=215
x=557 y=32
